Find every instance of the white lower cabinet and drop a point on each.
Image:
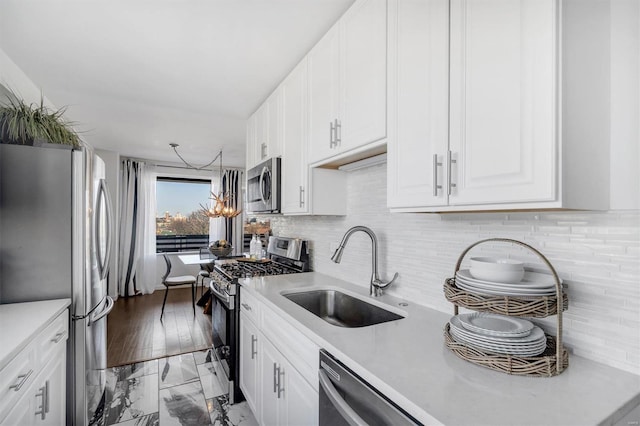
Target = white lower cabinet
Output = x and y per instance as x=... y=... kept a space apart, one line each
x=274 y=378
x=287 y=399
x=249 y=362
x=33 y=384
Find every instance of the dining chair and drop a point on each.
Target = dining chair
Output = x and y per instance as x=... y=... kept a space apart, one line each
x=175 y=281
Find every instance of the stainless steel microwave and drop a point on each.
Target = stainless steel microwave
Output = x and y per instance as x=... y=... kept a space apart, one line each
x=263 y=187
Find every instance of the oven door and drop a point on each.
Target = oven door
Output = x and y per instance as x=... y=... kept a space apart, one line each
x=225 y=319
x=263 y=187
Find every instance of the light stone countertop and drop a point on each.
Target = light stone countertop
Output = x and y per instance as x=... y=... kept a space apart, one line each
x=21 y=322
x=407 y=361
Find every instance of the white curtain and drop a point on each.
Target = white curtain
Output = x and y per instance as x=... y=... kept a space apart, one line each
x=137 y=274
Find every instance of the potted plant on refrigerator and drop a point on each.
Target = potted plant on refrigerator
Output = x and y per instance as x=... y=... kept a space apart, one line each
x=34 y=124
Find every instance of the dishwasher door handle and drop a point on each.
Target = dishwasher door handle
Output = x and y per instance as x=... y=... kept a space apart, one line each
x=338 y=402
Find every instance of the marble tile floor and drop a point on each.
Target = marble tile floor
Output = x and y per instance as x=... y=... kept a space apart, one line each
x=179 y=390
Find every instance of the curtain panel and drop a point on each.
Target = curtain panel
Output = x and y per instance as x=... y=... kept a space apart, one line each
x=137 y=257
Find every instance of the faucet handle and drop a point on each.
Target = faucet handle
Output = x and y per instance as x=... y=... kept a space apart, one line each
x=381 y=284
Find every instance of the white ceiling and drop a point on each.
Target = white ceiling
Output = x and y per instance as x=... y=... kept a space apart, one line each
x=139 y=74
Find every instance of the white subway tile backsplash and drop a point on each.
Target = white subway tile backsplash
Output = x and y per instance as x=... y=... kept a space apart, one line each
x=596 y=253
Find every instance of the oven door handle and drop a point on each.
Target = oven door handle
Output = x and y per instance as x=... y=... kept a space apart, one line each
x=225 y=298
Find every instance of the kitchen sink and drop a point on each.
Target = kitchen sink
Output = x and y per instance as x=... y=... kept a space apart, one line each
x=341 y=309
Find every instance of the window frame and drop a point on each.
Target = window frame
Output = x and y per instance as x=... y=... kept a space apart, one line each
x=181 y=244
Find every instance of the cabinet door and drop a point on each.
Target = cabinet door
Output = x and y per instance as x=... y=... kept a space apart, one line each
x=269 y=369
x=262 y=133
x=364 y=74
x=300 y=400
x=273 y=127
x=249 y=362
x=22 y=412
x=503 y=101
x=418 y=102
x=294 y=134
x=54 y=380
x=323 y=63
x=251 y=141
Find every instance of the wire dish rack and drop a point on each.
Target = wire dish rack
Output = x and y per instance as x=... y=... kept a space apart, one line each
x=553 y=361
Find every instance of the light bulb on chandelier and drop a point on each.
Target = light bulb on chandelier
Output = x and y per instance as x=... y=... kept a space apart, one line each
x=221 y=207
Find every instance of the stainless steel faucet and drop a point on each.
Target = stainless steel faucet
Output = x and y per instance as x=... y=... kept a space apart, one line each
x=376 y=286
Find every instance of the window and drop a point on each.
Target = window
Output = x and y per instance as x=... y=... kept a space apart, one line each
x=180 y=223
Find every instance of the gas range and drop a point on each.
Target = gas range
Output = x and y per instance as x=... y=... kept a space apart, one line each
x=284 y=256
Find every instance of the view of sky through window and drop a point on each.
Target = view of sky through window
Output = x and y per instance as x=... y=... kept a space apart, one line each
x=180 y=197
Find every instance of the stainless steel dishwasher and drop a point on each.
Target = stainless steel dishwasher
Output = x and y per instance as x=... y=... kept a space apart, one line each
x=346 y=399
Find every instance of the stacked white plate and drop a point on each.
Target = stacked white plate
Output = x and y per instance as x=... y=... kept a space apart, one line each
x=534 y=284
x=498 y=334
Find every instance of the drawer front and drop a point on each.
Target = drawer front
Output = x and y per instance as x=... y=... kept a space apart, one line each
x=299 y=350
x=17 y=377
x=53 y=337
x=250 y=306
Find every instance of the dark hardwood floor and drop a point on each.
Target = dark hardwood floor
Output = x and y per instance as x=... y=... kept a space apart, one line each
x=135 y=333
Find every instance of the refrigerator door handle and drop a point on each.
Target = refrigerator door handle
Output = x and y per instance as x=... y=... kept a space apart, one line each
x=104 y=258
x=109 y=303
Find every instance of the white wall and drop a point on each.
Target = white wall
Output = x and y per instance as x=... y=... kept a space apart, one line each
x=12 y=78
x=596 y=253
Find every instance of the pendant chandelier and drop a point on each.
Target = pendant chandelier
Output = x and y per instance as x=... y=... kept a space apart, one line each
x=221 y=206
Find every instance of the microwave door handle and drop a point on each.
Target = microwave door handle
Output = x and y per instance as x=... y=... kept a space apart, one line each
x=265 y=170
x=338 y=402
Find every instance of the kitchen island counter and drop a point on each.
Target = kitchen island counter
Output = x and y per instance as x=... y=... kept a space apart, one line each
x=21 y=322
x=407 y=361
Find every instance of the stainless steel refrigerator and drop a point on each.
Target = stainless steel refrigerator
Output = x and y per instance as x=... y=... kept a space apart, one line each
x=55 y=220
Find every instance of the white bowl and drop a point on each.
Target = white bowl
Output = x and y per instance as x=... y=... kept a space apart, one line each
x=496 y=269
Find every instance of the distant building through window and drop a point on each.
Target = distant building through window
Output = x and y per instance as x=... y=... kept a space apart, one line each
x=181 y=225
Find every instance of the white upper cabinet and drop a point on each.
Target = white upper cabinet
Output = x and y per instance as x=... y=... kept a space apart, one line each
x=418 y=102
x=305 y=190
x=364 y=74
x=264 y=138
x=251 y=141
x=323 y=95
x=503 y=101
x=347 y=83
x=295 y=180
x=514 y=138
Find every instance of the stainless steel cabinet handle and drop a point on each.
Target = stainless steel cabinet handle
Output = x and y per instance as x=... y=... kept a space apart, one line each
x=263 y=151
x=301 y=196
x=46 y=399
x=41 y=409
x=247 y=307
x=435 y=175
x=22 y=379
x=58 y=337
x=338 y=132
x=331 y=133
x=254 y=352
x=280 y=382
x=338 y=402
x=275 y=377
x=450 y=161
